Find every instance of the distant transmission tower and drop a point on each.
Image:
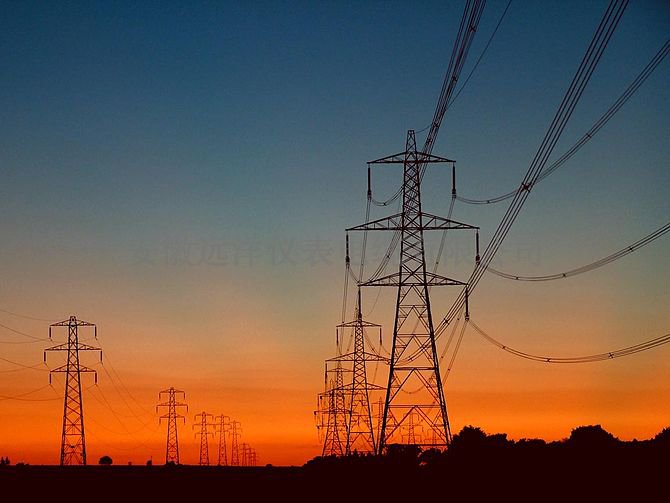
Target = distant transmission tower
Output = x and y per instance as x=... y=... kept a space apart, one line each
x=336 y=414
x=244 y=454
x=204 y=434
x=172 y=444
x=235 y=433
x=360 y=434
x=414 y=392
x=222 y=425
x=73 y=441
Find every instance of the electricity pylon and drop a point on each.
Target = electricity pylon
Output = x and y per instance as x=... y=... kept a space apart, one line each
x=253 y=457
x=172 y=444
x=414 y=391
x=360 y=431
x=222 y=427
x=73 y=440
x=204 y=434
x=360 y=435
x=244 y=454
x=336 y=413
x=235 y=433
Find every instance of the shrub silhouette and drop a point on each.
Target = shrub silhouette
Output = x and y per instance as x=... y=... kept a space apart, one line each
x=105 y=460
x=470 y=438
x=403 y=454
x=592 y=437
x=662 y=440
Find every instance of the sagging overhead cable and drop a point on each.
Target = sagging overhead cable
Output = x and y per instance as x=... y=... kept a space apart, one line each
x=586 y=68
x=611 y=111
x=637 y=348
x=588 y=267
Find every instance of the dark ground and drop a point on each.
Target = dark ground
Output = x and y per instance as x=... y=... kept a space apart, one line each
x=591 y=465
x=473 y=481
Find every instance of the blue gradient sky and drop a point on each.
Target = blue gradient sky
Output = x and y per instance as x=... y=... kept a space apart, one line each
x=182 y=175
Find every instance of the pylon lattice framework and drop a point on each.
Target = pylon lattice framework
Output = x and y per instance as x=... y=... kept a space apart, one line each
x=235 y=433
x=360 y=432
x=222 y=425
x=73 y=439
x=414 y=361
x=172 y=415
x=203 y=423
x=335 y=412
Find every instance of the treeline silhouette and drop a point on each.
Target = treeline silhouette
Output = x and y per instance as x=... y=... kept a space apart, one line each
x=591 y=461
x=473 y=444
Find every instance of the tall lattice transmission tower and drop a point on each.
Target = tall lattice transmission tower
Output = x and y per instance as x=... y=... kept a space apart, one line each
x=203 y=423
x=171 y=416
x=360 y=432
x=222 y=427
x=73 y=440
x=333 y=407
x=415 y=409
x=235 y=433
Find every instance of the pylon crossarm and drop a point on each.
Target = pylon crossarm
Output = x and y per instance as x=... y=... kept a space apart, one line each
x=349 y=357
x=402 y=156
x=363 y=323
x=419 y=222
x=382 y=224
x=372 y=357
x=432 y=279
x=86 y=347
x=79 y=347
x=64 y=368
x=73 y=322
x=434 y=222
x=59 y=347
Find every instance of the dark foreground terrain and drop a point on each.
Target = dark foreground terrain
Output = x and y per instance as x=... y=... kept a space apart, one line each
x=589 y=466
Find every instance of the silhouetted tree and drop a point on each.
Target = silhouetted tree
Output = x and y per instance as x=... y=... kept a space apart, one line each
x=469 y=439
x=430 y=457
x=403 y=454
x=498 y=441
x=531 y=443
x=592 y=437
x=105 y=460
x=662 y=439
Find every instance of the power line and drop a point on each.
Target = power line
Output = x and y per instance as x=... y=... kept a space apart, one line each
x=588 y=267
x=586 y=68
x=21 y=396
x=466 y=32
x=27 y=317
x=35 y=339
x=38 y=366
x=637 y=348
x=140 y=407
x=604 y=119
x=467 y=79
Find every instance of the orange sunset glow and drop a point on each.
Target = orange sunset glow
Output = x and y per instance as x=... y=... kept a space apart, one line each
x=210 y=186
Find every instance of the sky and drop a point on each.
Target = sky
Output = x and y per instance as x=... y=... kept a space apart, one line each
x=181 y=174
